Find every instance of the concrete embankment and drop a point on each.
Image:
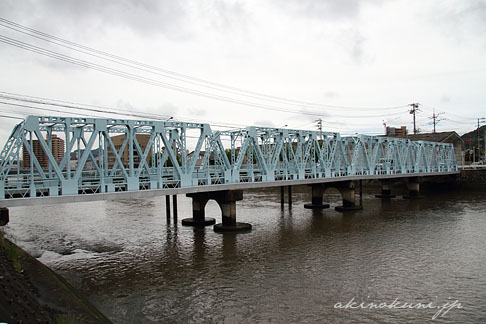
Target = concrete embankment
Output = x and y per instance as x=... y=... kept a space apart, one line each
x=30 y=292
x=472 y=176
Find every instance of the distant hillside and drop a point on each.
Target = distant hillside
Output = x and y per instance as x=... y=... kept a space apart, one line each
x=95 y=152
x=472 y=137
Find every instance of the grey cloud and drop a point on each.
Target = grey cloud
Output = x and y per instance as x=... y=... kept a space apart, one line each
x=144 y=17
x=355 y=43
x=473 y=11
x=332 y=9
x=461 y=20
x=445 y=98
x=264 y=123
x=225 y=15
x=358 y=51
x=166 y=109
x=196 y=112
x=331 y=94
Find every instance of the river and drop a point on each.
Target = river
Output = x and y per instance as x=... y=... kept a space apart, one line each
x=402 y=260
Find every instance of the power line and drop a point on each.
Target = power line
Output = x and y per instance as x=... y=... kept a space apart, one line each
x=430 y=109
x=108 y=110
x=138 y=78
x=154 y=82
x=171 y=74
x=11 y=117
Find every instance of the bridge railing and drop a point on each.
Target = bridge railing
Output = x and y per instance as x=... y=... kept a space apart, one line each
x=49 y=156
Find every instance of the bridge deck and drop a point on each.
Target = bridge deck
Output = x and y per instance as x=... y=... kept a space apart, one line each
x=32 y=201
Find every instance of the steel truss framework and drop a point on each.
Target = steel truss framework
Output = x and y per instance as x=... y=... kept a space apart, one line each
x=178 y=154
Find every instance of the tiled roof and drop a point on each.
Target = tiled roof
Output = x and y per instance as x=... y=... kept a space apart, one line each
x=433 y=137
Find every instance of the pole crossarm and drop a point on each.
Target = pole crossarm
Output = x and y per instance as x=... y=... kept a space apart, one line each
x=51 y=156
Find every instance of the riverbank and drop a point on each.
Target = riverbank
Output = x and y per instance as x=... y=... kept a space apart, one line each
x=30 y=292
x=472 y=176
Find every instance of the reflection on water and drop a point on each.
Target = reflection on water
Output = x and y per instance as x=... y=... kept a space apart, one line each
x=295 y=265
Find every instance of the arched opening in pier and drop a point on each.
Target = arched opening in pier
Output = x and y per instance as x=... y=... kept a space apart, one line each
x=212 y=209
x=332 y=195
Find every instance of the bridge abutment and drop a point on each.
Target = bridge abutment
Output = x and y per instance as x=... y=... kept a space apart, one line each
x=317 y=200
x=385 y=190
x=347 y=190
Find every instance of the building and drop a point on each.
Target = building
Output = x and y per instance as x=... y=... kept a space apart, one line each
x=118 y=140
x=443 y=137
x=200 y=158
x=57 y=150
x=392 y=131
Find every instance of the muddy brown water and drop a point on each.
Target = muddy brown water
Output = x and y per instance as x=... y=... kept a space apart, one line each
x=402 y=260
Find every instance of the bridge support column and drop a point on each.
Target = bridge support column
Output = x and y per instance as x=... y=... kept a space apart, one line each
x=289 y=196
x=346 y=188
x=317 y=192
x=174 y=207
x=385 y=190
x=167 y=208
x=4 y=216
x=227 y=202
x=282 y=196
x=289 y=192
x=413 y=186
x=199 y=219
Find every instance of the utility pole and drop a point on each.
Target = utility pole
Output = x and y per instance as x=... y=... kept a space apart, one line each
x=413 y=111
x=435 y=119
x=479 y=146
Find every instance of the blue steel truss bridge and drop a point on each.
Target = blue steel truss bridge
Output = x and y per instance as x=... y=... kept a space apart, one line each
x=68 y=159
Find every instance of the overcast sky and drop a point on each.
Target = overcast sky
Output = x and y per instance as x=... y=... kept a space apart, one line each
x=373 y=57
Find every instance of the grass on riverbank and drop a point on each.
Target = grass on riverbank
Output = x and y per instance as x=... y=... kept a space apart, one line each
x=13 y=253
x=66 y=319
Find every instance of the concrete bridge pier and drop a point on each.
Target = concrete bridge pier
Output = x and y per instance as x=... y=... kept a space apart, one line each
x=385 y=190
x=4 y=216
x=199 y=219
x=347 y=190
x=226 y=200
x=413 y=186
x=317 y=192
